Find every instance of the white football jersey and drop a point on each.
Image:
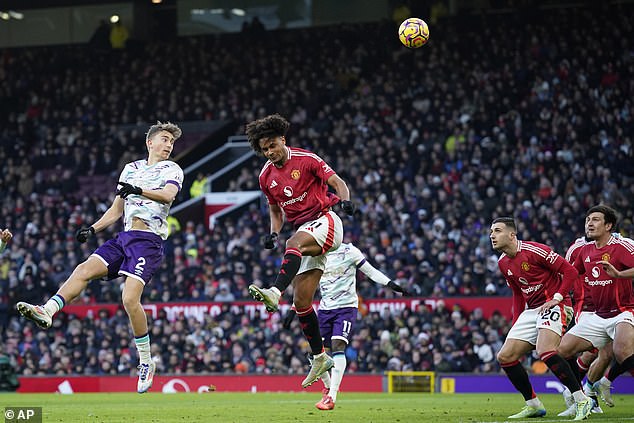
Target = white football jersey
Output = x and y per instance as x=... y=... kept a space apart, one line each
x=154 y=177
x=338 y=283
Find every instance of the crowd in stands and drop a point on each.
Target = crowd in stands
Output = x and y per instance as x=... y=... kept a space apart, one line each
x=443 y=340
x=489 y=119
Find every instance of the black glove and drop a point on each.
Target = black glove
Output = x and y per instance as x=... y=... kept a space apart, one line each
x=83 y=234
x=289 y=318
x=397 y=288
x=348 y=207
x=269 y=241
x=128 y=189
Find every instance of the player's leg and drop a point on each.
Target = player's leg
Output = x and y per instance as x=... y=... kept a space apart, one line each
x=596 y=381
x=588 y=334
x=520 y=340
x=144 y=254
x=311 y=239
x=305 y=286
x=326 y=320
x=342 y=329
x=131 y=298
x=508 y=357
x=42 y=315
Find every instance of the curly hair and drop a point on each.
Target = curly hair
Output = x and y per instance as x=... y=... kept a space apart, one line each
x=267 y=127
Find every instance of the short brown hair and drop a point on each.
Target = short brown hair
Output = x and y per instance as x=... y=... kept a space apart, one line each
x=170 y=127
x=509 y=222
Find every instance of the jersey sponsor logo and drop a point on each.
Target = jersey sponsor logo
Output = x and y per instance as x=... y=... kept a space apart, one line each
x=288 y=191
x=551 y=257
x=599 y=283
x=509 y=273
x=587 y=260
x=595 y=272
x=273 y=184
x=525 y=266
x=605 y=257
x=531 y=289
x=294 y=200
x=295 y=174
x=524 y=281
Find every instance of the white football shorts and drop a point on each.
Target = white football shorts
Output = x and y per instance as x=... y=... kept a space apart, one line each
x=530 y=321
x=328 y=232
x=598 y=330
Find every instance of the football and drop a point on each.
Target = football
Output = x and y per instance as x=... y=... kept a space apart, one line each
x=413 y=33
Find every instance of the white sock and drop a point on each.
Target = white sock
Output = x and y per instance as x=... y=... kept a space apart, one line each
x=337 y=373
x=534 y=402
x=143 y=346
x=579 y=396
x=54 y=304
x=325 y=377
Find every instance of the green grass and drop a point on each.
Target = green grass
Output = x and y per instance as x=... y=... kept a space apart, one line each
x=295 y=407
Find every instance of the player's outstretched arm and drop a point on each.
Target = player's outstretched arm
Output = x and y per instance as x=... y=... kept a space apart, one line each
x=111 y=215
x=379 y=277
x=343 y=193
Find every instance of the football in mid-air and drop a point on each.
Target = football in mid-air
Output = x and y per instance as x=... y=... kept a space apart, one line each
x=413 y=33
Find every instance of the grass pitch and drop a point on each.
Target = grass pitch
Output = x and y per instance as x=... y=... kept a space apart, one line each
x=295 y=407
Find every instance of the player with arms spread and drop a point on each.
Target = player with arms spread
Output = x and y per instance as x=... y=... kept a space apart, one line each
x=146 y=191
x=295 y=183
x=338 y=310
x=607 y=266
x=541 y=281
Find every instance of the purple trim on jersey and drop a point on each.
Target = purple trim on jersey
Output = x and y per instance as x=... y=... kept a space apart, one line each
x=175 y=183
x=331 y=323
x=361 y=263
x=138 y=253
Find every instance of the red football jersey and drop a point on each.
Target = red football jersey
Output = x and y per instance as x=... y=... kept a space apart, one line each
x=581 y=296
x=299 y=187
x=533 y=273
x=610 y=296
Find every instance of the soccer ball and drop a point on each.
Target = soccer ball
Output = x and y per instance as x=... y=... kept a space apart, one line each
x=413 y=33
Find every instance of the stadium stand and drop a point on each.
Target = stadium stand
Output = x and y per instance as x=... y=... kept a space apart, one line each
x=489 y=119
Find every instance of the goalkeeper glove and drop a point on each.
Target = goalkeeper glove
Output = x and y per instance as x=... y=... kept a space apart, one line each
x=397 y=288
x=269 y=241
x=289 y=318
x=348 y=207
x=83 y=234
x=128 y=189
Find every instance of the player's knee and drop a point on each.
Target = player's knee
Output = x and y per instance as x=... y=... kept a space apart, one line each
x=503 y=357
x=130 y=301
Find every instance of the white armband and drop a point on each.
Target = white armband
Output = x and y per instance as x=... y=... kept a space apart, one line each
x=558 y=297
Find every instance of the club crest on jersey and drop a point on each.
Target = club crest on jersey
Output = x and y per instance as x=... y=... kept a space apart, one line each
x=295 y=174
x=525 y=266
x=605 y=257
x=524 y=281
x=288 y=191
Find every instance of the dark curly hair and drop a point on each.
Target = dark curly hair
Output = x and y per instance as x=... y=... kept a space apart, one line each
x=267 y=127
